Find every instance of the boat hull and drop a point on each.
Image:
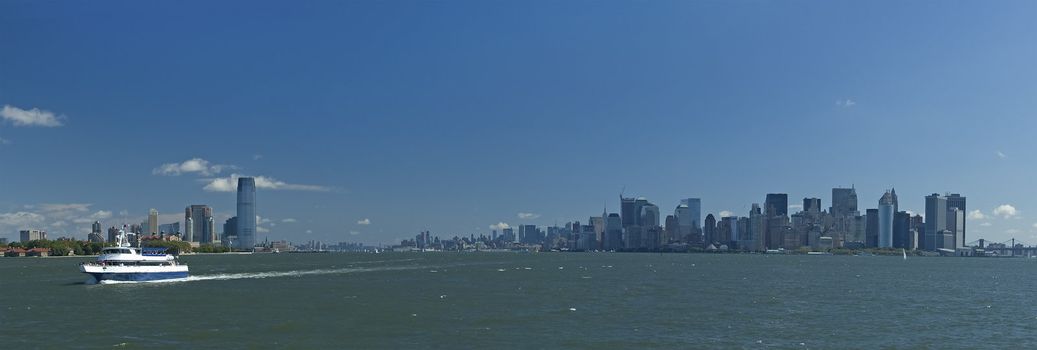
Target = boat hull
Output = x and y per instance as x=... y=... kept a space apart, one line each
x=135 y=274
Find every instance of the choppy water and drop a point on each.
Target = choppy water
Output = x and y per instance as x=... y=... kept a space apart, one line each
x=505 y=300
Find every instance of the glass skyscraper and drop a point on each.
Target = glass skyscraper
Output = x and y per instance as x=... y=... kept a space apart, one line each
x=246 y=213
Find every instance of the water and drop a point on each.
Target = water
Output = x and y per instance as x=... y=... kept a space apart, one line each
x=507 y=300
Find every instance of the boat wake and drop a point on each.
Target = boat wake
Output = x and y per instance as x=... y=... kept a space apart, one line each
x=273 y=274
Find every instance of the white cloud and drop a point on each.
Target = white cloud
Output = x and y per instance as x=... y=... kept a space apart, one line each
x=262 y=229
x=795 y=206
x=1011 y=231
x=986 y=224
x=364 y=221
x=1006 y=211
x=97 y=216
x=309 y=231
x=261 y=220
x=31 y=117
x=230 y=184
x=193 y=165
x=4 y=141
x=725 y=213
x=64 y=207
x=500 y=226
x=21 y=219
x=845 y=103
x=1035 y=225
x=528 y=216
x=1001 y=155
x=287 y=220
x=257 y=156
x=976 y=215
x=58 y=224
x=354 y=233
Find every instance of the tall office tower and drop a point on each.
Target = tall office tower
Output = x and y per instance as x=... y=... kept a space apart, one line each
x=728 y=230
x=955 y=227
x=902 y=230
x=684 y=222
x=896 y=203
x=246 y=213
x=745 y=238
x=628 y=210
x=96 y=227
x=844 y=202
x=649 y=215
x=935 y=220
x=196 y=219
x=672 y=230
x=599 y=229
x=695 y=213
x=955 y=200
x=757 y=226
x=812 y=205
x=113 y=234
x=152 y=222
x=210 y=235
x=508 y=234
x=885 y=221
x=871 y=228
x=709 y=229
x=777 y=204
x=613 y=232
x=188 y=228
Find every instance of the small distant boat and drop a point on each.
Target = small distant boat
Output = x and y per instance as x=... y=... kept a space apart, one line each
x=902 y=250
x=129 y=264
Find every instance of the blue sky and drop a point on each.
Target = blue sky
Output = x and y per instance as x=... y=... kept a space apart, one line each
x=455 y=115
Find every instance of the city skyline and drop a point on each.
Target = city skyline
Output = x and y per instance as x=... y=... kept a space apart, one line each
x=357 y=128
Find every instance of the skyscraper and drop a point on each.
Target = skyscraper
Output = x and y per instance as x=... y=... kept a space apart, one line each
x=871 y=228
x=955 y=200
x=649 y=215
x=694 y=212
x=196 y=220
x=613 y=232
x=152 y=222
x=935 y=220
x=246 y=213
x=812 y=205
x=709 y=229
x=885 y=220
x=777 y=204
x=844 y=202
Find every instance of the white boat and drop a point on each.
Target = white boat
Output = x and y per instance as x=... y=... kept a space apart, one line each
x=126 y=263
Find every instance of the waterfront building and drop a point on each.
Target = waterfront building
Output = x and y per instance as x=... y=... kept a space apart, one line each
x=169 y=228
x=955 y=227
x=885 y=220
x=613 y=232
x=902 y=230
x=757 y=226
x=246 y=213
x=871 y=228
x=152 y=222
x=196 y=219
x=955 y=200
x=935 y=220
x=32 y=235
x=96 y=227
x=709 y=230
x=672 y=230
x=683 y=217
